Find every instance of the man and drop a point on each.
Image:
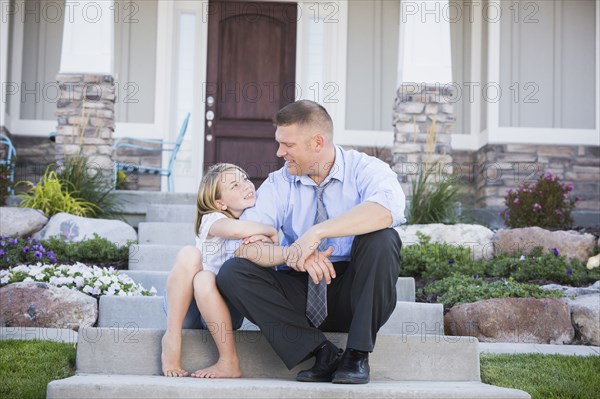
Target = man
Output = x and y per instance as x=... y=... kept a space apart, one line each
x=336 y=210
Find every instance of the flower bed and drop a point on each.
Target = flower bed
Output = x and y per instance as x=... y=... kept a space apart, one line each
x=91 y=280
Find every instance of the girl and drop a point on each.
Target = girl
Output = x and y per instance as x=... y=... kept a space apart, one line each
x=224 y=193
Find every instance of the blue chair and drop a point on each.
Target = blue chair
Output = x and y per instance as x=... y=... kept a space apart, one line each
x=8 y=159
x=171 y=146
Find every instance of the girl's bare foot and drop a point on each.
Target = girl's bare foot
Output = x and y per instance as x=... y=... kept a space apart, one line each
x=171 y=356
x=221 y=369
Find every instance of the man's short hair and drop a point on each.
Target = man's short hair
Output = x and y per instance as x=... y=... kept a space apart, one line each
x=305 y=113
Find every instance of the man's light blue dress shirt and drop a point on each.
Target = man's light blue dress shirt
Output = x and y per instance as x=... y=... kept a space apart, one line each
x=289 y=202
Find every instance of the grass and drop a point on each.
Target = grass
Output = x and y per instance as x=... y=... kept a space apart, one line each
x=544 y=376
x=26 y=367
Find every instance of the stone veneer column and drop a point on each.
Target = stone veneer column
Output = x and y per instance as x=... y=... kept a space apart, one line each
x=419 y=110
x=86 y=119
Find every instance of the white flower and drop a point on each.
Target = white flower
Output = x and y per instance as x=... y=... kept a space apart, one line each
x=27 y=280
x=79 y=281
x=4 y=280
x=522 y=257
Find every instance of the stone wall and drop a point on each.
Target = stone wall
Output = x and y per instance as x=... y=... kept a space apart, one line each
x=505 y=166
x=34 y=154
x=137 y=157
x=422 y=118
x=86 y=121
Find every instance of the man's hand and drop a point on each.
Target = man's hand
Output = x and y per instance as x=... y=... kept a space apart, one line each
x=318 y=266
x=297 y=253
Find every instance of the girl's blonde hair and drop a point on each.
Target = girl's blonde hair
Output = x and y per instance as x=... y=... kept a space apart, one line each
x=209 y=193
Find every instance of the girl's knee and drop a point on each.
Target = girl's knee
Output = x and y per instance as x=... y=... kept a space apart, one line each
x=205 y=283
x=189 y=258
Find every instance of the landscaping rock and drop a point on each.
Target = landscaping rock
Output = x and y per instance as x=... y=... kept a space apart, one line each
x=574 y=291
x=571 y=244
x=31 y=304
x=593 y=262
x=474 y=236
x=77 y=229
x=20 y=222
x=518 y=320
x=585 y=316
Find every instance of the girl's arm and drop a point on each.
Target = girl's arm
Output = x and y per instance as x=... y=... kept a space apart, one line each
x=234 y=228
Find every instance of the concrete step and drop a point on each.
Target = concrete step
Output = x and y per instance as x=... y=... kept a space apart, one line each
x=409 y=318
x=153 y=257
x=148 y=276
x=396 y=357
x=96 y=386
x=166 y=233
x=171 y=213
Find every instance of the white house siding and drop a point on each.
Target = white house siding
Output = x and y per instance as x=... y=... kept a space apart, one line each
x=547 y=69
x=135 y=61
x=372 y=63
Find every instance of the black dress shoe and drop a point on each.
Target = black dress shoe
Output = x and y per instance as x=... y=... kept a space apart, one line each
x=353 y=368
x=327 y=358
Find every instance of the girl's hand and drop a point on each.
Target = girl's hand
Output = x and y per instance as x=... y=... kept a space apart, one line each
x=258 y=237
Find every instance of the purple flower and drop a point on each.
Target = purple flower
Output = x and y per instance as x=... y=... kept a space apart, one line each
x=25 y=249
x=516 y=201
x=577 y=198
x=549 y=176
x=2 y=243
x=569 y=271
x=570 y=187
x=1 y=252
x=38 y=254
x=555 y=251
x=13 y=241
x=537 y=207
x=450 y=261
x=509 y=191
x=558 y=212
x=476 y=275
x=2 y=237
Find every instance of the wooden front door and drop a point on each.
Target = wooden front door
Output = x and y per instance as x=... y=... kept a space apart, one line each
x=251 y=75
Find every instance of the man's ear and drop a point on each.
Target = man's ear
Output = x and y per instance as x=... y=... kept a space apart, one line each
x=320 y=141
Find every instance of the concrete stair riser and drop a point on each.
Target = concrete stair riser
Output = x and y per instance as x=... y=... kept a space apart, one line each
x=137 y=351
x=171 y=213
x=147 y=312
x=166 y=233
x=153 y=257
x=135 y=386
x=405 y=287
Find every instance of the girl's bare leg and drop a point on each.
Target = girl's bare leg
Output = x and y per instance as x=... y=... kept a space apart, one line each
x=180 y=292
x=216 y=315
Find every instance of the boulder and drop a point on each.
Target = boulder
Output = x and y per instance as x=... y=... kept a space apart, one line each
x=76 y=228
x=569 y=291
x=585 y=316
x=517 y=320
x=36 y=304
x=474 y=236
x=20 y=222
x=571 y=244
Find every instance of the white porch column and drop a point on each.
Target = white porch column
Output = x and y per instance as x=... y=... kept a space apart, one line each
x=4 y=17
x=88 y=37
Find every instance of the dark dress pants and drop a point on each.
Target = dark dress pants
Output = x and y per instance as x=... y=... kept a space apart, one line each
x=359 y=300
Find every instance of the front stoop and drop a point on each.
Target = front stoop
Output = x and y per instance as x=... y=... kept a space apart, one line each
x=97 y=386
x=116 y=363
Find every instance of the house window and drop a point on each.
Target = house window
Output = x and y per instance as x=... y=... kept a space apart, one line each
x=372 y=60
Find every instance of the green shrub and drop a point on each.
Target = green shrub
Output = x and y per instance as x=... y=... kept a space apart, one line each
x=432 y=202
x=458 y=289
x=432 y=260
x=97 y=250
x=86 y=182
x=52 y=196
x=544 y=204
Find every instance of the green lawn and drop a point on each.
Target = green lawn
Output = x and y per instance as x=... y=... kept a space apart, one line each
x=26 y=367
x=545 y=376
